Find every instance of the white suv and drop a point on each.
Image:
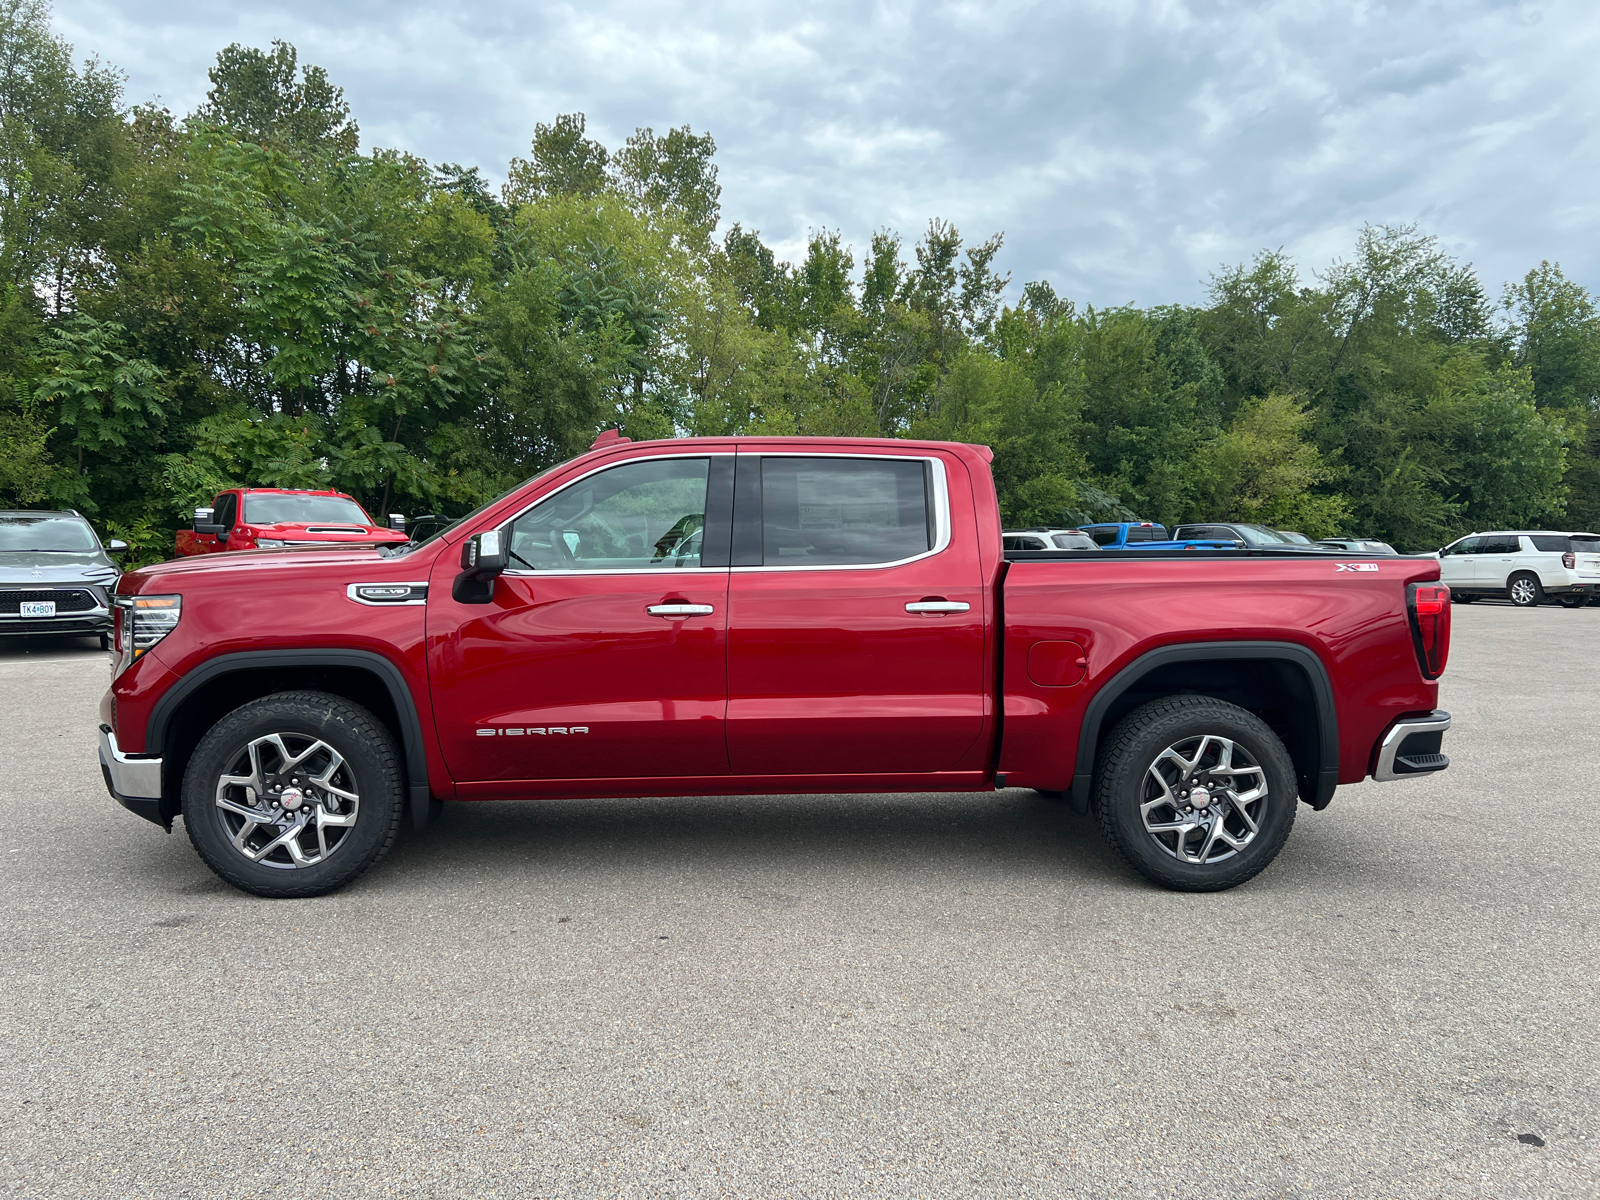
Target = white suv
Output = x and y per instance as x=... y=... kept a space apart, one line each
x=1527 y=567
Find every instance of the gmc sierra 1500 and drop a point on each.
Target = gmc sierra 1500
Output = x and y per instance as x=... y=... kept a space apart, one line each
x=745 y=615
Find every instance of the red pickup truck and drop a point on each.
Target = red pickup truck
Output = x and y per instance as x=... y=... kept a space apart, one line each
x=762 y=615
x=276 y=518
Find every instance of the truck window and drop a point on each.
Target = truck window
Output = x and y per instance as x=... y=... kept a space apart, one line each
x=227 y=506
x=1146 y=533
x=1103 y=535
x=647 y=515
x=844 y=511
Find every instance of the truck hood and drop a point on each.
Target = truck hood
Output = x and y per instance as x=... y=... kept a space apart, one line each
x=328 y=531
x=41 y=568
x=254 y=564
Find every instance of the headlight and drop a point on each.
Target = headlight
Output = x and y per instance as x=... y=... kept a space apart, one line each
x=269 y=544
x=141 y=622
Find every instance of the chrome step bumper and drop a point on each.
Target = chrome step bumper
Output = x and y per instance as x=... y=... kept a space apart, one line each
x=1411 y=748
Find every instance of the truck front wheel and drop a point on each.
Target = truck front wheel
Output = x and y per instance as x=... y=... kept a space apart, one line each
x=295 y=794
x=1195 y=794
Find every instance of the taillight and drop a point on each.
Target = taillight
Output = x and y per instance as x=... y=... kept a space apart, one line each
x=1569 y=560
x=1428 y=605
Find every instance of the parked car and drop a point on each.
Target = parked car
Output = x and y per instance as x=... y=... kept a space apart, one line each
x=273 y=518
x=1047 y=539
x=1253 y=537
x=779 y=615
x=1357 y=545
x=1525 y=566
x=55 y=575
x=1147 y=535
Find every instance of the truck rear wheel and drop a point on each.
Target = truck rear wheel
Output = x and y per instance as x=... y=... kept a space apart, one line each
x=295 y=794
x=1195 y=794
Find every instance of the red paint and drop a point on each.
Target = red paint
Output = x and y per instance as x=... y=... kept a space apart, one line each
x=246 y=533
x=815 y=680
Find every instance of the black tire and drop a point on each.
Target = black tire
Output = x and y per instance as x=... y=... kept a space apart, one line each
x=105 y=641
x=1133 y=749
x=1525 y=590
x=369 y=768
x=1571 y=601
x=1462 y=597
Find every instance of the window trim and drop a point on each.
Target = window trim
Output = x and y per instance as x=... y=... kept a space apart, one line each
x=941 y=510
x=709 y=456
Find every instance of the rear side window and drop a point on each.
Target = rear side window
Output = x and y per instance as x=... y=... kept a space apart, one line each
x=844 y=511
x=1551 y=542
x=1147 y=533
x=1104 y=535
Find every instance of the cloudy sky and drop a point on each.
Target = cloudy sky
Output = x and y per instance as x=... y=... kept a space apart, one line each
x=1126 y=149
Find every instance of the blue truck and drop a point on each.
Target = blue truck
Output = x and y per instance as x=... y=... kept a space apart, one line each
x=1147 y=535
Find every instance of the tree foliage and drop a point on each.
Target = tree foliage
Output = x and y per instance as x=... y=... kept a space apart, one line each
x=244 y=296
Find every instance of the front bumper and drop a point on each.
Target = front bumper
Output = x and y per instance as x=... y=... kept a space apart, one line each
x=134 y=780
x=1411 y=748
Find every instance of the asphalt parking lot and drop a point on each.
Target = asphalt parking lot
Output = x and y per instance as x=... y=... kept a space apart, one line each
x=840 y=996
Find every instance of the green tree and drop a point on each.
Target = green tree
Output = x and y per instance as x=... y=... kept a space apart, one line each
x=266 y=97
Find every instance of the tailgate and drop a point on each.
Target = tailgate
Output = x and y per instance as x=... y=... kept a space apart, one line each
x=1588 y=564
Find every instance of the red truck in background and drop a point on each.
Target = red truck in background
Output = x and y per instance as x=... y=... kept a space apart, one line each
x=278 y=518
x=762 y=615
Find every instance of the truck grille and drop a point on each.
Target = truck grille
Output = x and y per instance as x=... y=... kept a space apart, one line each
x=68 y=600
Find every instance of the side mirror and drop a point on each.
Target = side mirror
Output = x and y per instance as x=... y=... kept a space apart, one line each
x=203 y=522
x=116 y=546
x=397 y=521
x=483 y=556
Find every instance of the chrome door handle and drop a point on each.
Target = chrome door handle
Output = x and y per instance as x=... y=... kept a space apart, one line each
x=938 y=606
x=680 y=610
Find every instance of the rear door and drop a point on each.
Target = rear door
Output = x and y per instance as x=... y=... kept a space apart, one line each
x=1497 y=559
x=856 y=620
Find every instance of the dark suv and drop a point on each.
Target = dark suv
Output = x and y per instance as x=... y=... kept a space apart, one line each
x=55 y=576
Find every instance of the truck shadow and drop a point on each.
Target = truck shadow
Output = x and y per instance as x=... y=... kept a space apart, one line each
x=1013 y=831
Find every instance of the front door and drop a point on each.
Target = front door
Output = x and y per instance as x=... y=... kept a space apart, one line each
x=1456 y=564
x=602 y=654
x=856 y=625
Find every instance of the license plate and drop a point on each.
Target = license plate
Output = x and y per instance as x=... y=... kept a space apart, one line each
x=38 y=608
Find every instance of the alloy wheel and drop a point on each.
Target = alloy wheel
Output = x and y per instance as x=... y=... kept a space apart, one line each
x=1203 y=799
x=1524 y=591
x=288 y=801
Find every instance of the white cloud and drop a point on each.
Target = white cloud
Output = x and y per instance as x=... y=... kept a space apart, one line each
x=1126 y=148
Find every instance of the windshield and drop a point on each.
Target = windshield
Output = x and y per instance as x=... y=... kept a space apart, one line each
x=447 y=524
x=1074 y=541
x=1260 y=535
x=303 y=510
x=65 y=535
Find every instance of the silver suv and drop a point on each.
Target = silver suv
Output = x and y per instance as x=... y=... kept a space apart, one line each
x=55 y=576
x=1048 y=539
x=1524 y=566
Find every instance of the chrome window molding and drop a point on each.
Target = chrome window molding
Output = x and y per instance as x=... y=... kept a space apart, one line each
x=509 y=521
x=416 y=593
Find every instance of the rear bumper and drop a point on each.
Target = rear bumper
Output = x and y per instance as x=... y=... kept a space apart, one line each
x=1412 y=747
x=134 y=781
